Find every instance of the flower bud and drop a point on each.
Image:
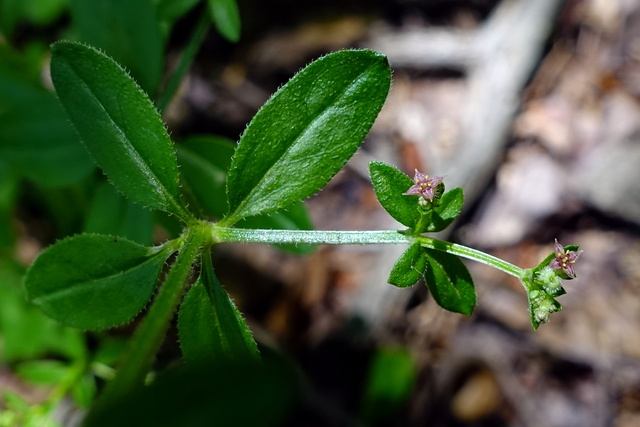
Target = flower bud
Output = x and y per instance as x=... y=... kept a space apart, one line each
x=549 y=280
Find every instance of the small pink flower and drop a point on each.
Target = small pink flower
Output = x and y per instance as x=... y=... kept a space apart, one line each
x=564 y=260
x=424 y=186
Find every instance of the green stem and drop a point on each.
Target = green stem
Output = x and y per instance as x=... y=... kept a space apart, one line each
x=227 y=234
x=76 y=371
x=186 y=59
x=148 y=337
x=473 y=254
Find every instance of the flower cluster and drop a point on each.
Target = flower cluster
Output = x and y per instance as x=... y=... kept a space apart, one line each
x=543 y=305
x=544 y=282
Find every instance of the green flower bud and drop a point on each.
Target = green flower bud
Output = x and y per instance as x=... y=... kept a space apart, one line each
x=549 y=280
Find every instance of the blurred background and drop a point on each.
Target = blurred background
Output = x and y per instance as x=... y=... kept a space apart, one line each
x=531 y=106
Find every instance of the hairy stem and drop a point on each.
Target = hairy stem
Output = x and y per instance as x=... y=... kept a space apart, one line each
x=227 y=234
x=148 y=337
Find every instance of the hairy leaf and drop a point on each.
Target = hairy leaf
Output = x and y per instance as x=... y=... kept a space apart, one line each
x=119 y=125
x=389 y=184
x=93 y=281
x=210 y=325
x=450 y=282
x=306 y=132
x=409 y=268
x=443 y=214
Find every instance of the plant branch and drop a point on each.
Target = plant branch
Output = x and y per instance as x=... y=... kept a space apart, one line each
x=226 y=234
x=472 y=254
x=148 y=337
x=186 y=59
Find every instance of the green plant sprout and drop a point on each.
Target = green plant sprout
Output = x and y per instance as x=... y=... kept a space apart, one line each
x=300 y=138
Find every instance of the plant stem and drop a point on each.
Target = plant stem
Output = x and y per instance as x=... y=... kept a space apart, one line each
x=470 y=253
x=76 y=371
x=186 y=59
x=227 y=234
x=148 y=337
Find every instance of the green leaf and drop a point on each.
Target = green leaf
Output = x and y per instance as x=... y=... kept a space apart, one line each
x=40 y=144
x=226 y=16
x=94 y=281
x=110 y=350
x=450 y=282
x=170 y=10
x=409 y=268
x=443 y=213
x=389 y=184
x=210 y=325
x=306 y=132
x=36 y=139
x=39 y=12
x=111 y=214
x=10 y=13
x=20 y=319
x=8 y=195
x=128 y=31
x=119 y=125
x=204 y=162
x=43 y=12
x=390 y=380
x=43 y=371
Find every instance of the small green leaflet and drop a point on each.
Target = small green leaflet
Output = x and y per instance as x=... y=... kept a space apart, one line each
x=390 y=184
x=443 y=214
x=409 y=268
x=210 y=325
x=450 y=282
